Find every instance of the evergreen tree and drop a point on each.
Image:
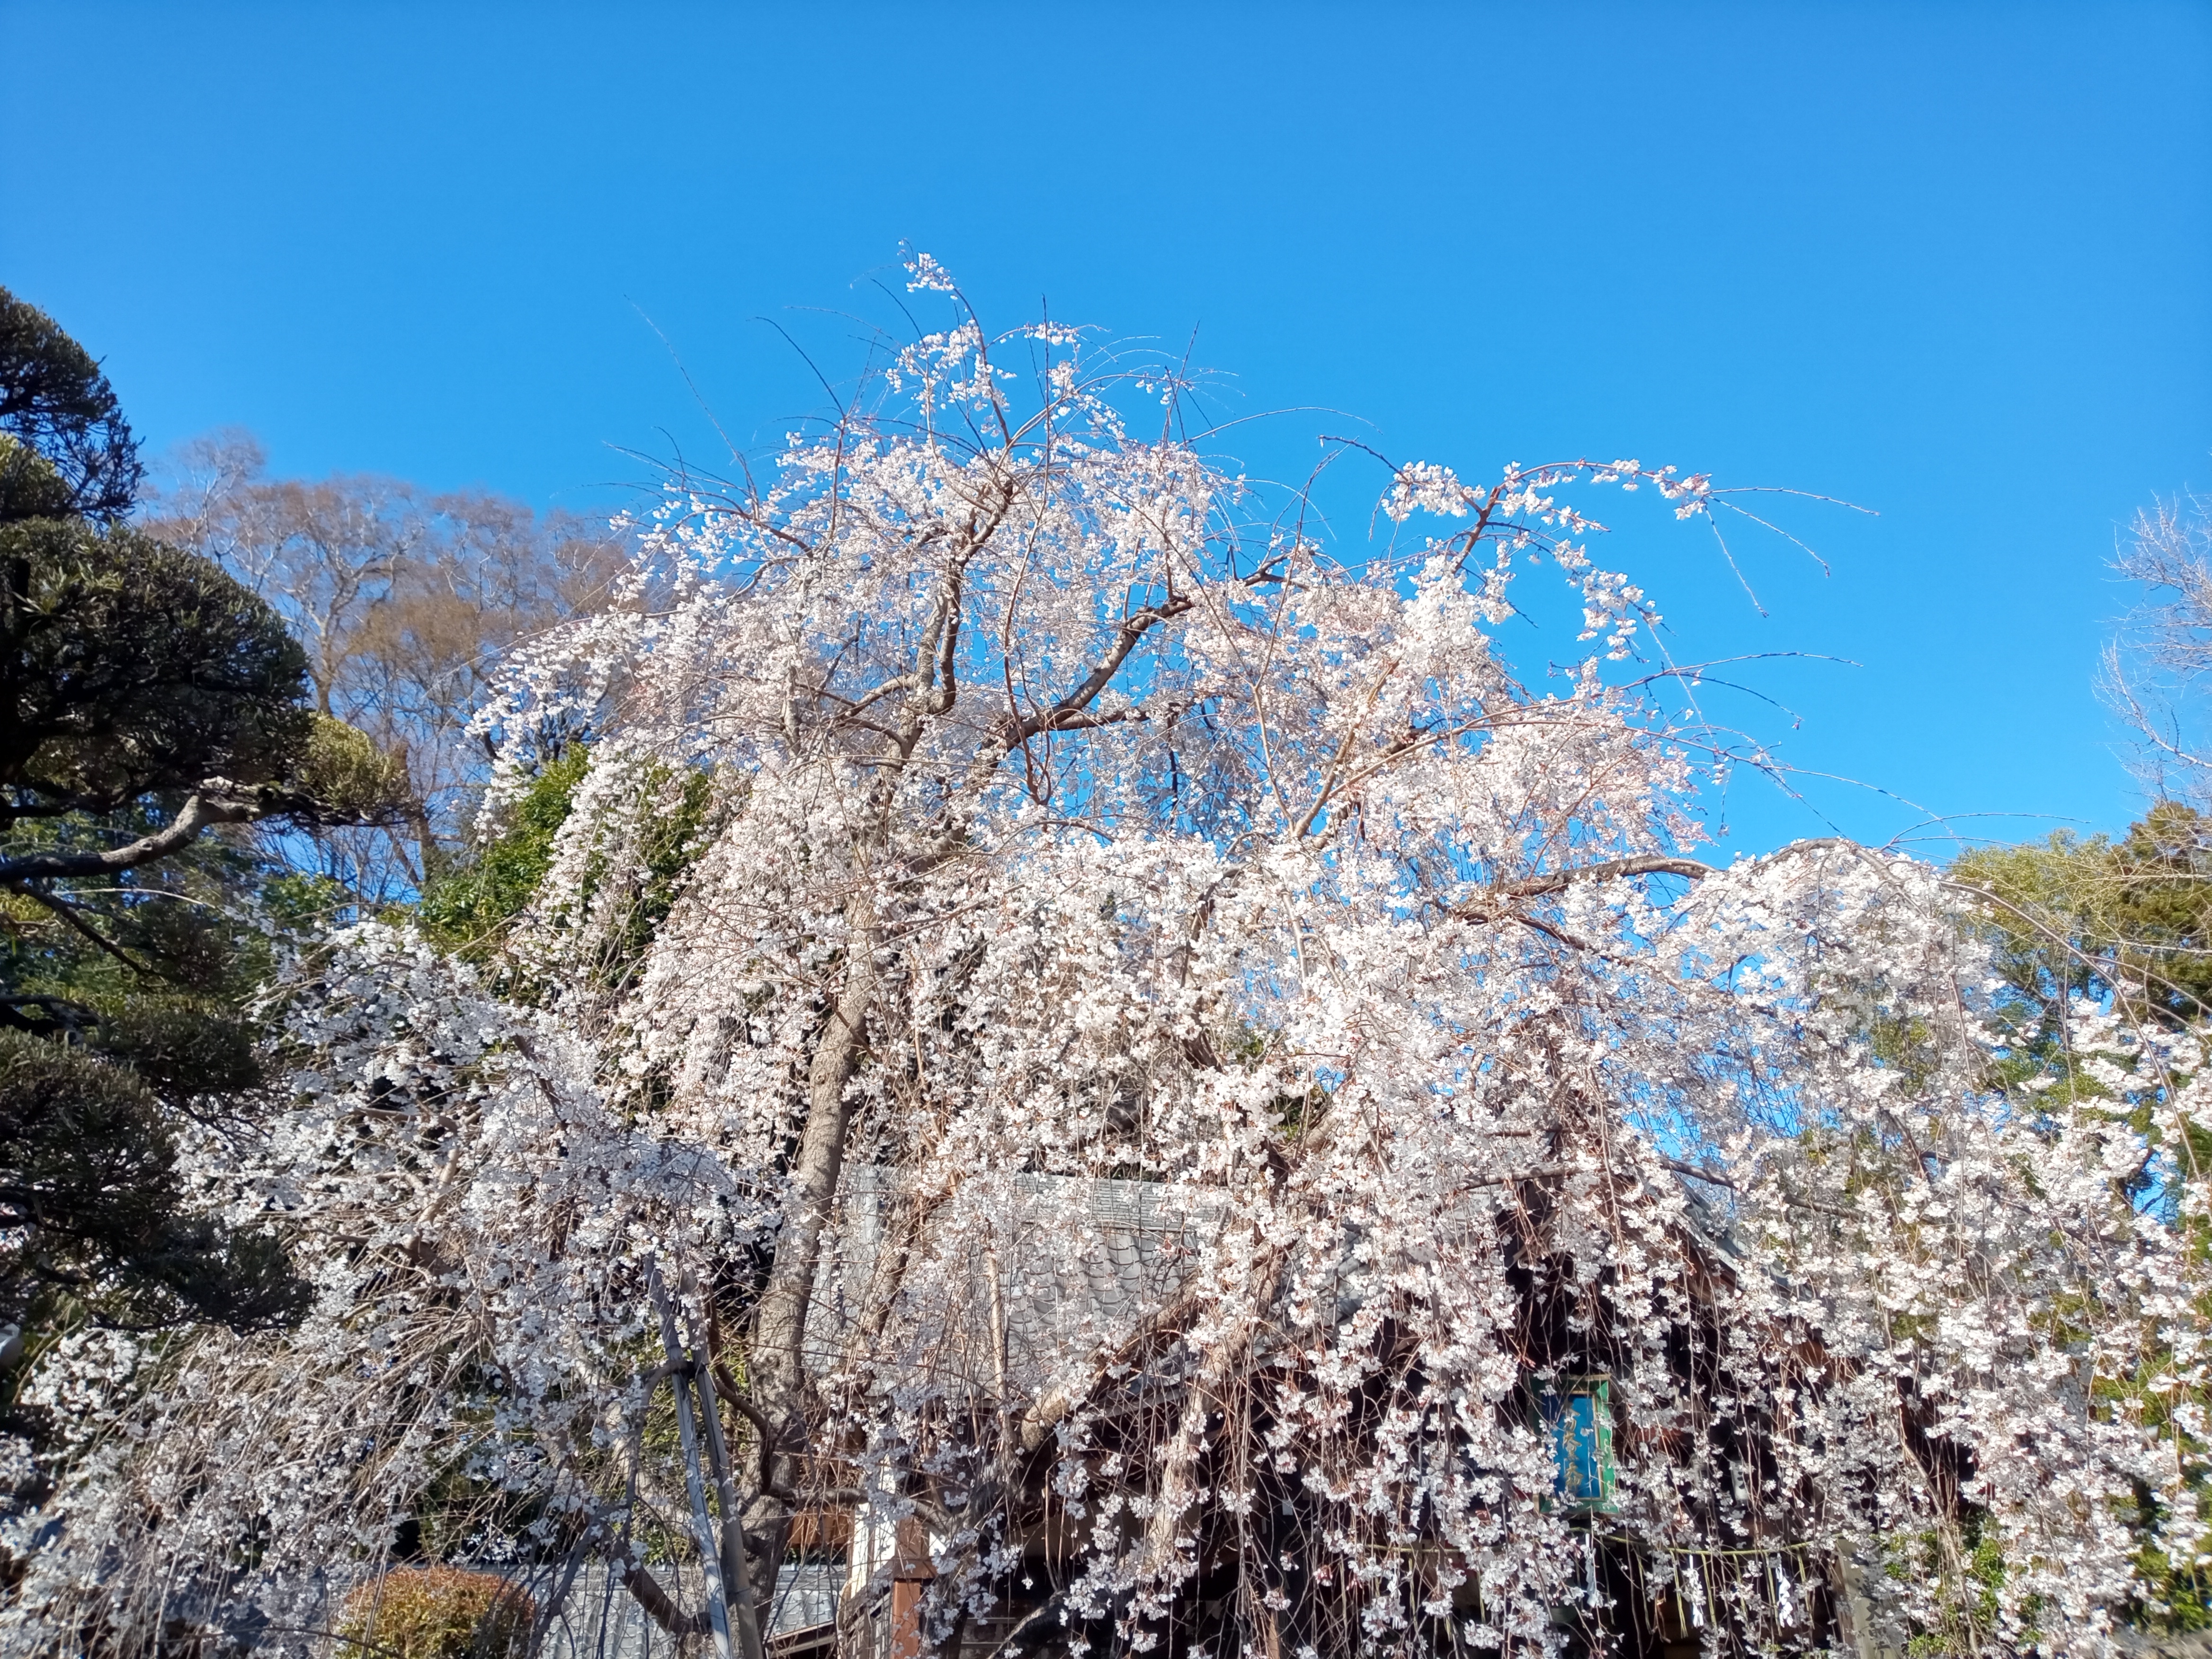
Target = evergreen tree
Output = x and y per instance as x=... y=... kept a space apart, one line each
x=154 y=709
x=60 y=409
x=2127 y=922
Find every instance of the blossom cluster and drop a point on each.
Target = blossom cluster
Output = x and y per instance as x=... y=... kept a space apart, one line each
x=1074 y=834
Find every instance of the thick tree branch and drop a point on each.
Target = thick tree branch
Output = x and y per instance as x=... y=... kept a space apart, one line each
x=59 y=1011
x=1013 y=733
x=1496 y=903
x=1558 y=881
x=212 y=803
x=762 y=1427
x=1171 y=1319
x=660 y=1606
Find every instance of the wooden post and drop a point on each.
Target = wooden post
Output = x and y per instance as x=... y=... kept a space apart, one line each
x=911 y=1572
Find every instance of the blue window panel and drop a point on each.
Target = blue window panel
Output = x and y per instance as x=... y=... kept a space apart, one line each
x=1579 y=1415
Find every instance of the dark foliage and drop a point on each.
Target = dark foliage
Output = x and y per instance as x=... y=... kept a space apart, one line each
x=91 y=1207
x=127 y=668
x=146 y=700
x=56 y=402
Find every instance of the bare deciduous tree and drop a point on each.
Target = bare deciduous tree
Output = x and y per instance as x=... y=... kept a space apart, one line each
x=2156 y=669
x=403 y=598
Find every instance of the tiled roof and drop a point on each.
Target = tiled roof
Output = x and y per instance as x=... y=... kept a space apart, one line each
x=1062 y=1264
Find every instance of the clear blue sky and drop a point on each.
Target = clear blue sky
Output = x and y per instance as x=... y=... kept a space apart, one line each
x=1952 y=262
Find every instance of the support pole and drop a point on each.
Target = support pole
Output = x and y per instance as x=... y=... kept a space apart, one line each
x=718 y=1615
x=735 y=1577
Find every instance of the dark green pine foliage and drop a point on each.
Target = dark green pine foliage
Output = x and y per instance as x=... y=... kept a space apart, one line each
x=124 y=1023
x=152 y=712
x=132 y=669
x=58 y=407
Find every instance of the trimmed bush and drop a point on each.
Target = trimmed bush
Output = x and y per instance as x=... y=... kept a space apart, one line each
x=439 y=1612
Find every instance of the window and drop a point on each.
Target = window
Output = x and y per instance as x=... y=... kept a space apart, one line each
x=1579 y=1411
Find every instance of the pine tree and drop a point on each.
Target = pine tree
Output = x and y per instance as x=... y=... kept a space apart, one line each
x=154 y=709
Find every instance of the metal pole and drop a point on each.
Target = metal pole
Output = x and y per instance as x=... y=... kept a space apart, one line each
x=737 y=1580
x=718 y=1615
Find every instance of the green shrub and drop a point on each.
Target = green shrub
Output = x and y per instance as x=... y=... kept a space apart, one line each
x=439 y=1612
x=467 y=908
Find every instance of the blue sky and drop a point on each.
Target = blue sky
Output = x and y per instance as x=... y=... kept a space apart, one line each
x=1951 y=262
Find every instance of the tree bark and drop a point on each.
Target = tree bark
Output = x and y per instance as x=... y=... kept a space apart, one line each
x=780 y=1326
x=202 y=809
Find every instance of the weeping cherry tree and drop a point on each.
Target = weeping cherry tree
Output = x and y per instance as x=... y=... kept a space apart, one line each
x=1071 y=824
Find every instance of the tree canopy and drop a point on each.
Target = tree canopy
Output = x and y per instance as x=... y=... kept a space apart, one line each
x=132 y=669
x=58 y=408
x=1117 y=1037
x=407 y=600
x=149 y=698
